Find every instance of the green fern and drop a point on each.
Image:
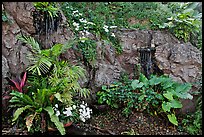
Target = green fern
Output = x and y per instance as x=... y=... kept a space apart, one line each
x=19 y=111
x=55 y=120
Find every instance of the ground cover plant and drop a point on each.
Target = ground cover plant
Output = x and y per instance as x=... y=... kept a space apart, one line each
x=157 y=95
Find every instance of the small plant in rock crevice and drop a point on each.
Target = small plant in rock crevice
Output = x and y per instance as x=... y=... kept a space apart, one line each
x=46 y=17
x=192 y=122
x=157 y=96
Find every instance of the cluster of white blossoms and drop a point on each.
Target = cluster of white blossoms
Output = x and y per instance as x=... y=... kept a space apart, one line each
x=106 y=28
x=82 y=20
x=84 y=34
x=85 y=112
x=67 y=111
x=76 y=25
x=76 y=13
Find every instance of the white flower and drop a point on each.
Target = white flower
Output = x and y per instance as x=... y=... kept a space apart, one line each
x=113 y=27
x=113 y=35
x=57 y=113
x=105 y=27
x=82 y=118
x=75 y=24
x=56 y=105
x=87 y=33
x=76 y=11
x=74 y=106
x=85 y=112
x=77 y=28
x=82 y=39
x=68 y=111
x=83 y=20
x=91 y=23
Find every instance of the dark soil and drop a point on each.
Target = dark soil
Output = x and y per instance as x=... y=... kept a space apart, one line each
x=112 y=122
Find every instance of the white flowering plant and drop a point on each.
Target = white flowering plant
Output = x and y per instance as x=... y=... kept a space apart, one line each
x=84 y=27
x=79 y=112
x=52 y=84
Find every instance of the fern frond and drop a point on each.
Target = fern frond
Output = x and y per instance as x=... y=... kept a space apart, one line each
x=30 y=41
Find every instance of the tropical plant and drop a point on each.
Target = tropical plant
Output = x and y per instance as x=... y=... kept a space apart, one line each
x=158 y=95
x=18 y=83
x=50 y=82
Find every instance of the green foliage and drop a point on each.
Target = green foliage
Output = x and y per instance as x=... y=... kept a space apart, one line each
x=158 y=95
x=83 y=22
x=49 y=7
x=19 y=111
x=53 y=81
x=4 y=16
x=192 y=122
x=55 y=120
x=181 y=18
x=186 y=22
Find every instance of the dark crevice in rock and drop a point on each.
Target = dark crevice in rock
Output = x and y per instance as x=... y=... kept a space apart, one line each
x=45 y=25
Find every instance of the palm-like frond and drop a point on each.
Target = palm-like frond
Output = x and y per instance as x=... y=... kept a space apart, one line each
x=41 y=65
x=30 y=41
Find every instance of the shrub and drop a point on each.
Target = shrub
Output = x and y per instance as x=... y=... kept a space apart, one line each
x=158 y=95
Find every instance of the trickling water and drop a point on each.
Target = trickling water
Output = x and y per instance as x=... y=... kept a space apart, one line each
x=46 y=30
x=146 y=61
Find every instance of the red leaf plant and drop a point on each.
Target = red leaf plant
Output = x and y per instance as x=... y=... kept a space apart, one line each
x=18 y=83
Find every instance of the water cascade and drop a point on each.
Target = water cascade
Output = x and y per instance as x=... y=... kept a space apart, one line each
x=45 y=25
x=146 y=60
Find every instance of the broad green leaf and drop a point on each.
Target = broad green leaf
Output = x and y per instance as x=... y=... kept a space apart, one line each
x=176 y=104
x=172 y=119
x=142 y=78
x=135 y=84
x=159 y=96
x=183 y=87
x=155 y=80
x=166 y=106
x=184 y=95
x=55 y=120
x=19 y=111
x=168 y=95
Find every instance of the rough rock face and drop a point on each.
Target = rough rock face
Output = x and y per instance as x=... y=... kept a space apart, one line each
x=183 y=62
